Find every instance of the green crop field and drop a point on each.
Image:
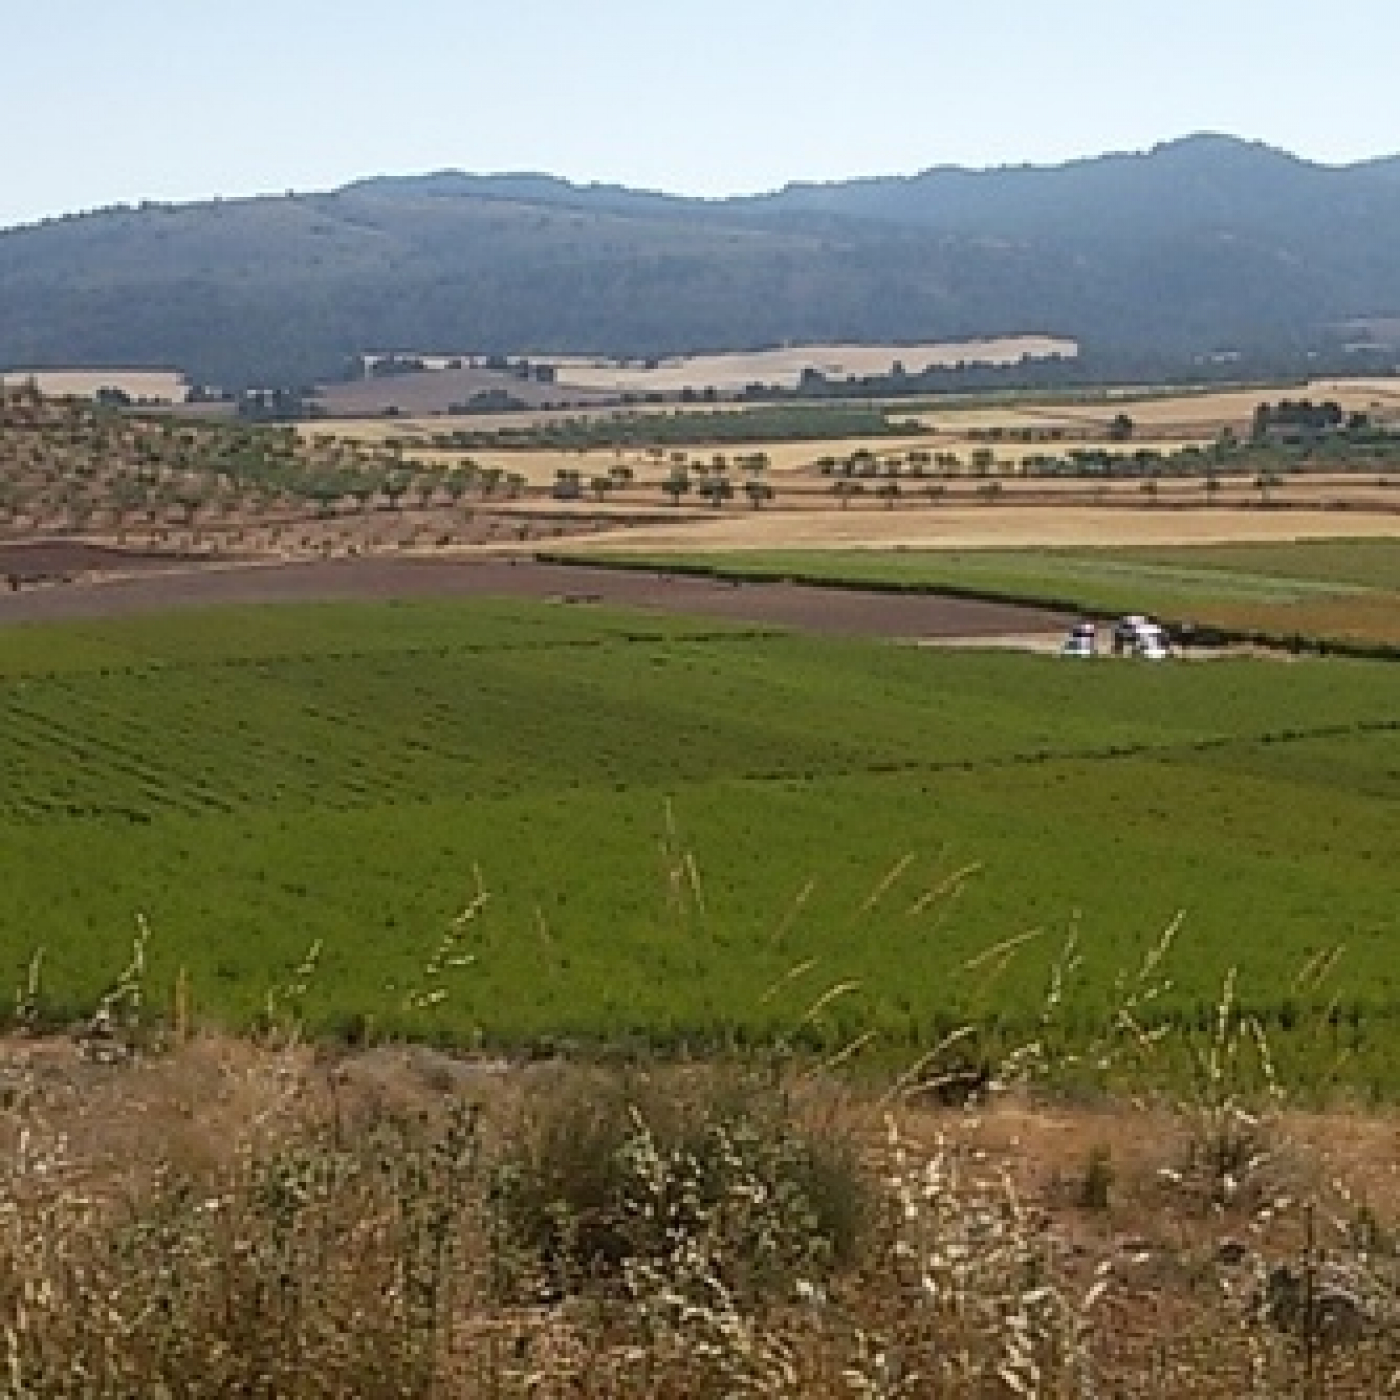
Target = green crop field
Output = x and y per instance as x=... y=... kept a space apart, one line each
x=687 y=832
x=1339 y=590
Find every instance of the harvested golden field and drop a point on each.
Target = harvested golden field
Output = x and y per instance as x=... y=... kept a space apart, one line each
x=1000 y=526
x=155 y=385
x=1193 y=412
x=732 y=372
x=1161 y=417
x=539 y=466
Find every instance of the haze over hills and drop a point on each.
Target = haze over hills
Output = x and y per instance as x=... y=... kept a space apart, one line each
x=1199 y=246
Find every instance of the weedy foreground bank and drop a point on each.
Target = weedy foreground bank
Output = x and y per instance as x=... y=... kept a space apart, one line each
x=268 y=1219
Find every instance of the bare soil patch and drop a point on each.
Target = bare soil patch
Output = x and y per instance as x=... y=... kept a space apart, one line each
x=786 y=605
x=60 y=560
x=437 y=391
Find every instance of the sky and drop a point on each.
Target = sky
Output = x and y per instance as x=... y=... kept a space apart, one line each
x=104 y=102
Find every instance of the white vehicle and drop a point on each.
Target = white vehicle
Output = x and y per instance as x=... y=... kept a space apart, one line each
x=1082 y=641
x=1139 y=636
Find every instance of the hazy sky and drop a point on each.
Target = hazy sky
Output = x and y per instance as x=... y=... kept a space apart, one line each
x=107 y=101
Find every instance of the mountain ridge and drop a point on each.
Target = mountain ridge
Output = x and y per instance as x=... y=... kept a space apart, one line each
x=1198 y=245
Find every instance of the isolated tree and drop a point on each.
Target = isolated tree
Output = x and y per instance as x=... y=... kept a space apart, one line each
x=1121 y=428
x=456 y=482
x=395 y=488
x=325 y=494
x=716 y=490
x=758 y=492
x=676 y=485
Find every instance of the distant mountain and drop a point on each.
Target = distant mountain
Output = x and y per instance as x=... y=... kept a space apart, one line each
x=1201 y=245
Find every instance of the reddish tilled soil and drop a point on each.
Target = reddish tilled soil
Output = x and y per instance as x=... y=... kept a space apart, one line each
x=143 y=589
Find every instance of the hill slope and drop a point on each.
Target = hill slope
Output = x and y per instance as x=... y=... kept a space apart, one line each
x=1199 y=244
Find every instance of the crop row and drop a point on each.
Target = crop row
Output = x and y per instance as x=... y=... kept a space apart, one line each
x=342 y=730
x=690 y=839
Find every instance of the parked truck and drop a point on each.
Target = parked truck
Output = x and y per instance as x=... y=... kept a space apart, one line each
x=1139 y=636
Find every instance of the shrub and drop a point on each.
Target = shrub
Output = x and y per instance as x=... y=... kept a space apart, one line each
x=615 y=1173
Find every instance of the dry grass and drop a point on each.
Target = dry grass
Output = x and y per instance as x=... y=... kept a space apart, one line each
x=232 y=1218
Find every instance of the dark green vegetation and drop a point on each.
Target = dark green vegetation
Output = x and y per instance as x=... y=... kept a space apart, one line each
x=671 y=819
x=1336 y=593
x=689 y=427
x=1267 y=258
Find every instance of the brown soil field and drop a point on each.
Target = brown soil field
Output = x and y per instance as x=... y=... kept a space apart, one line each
x=783 y=605
x=435 y=391
x=40 y=560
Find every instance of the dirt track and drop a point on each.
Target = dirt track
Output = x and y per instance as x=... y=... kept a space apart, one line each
x=789 y=605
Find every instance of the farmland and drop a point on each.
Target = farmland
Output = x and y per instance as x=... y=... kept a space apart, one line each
x=1338 y=591
x=670 y=816
x=790 y=475
x=673 y=814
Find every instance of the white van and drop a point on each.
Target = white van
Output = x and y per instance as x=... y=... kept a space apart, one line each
x=1083 y=641
x=1139 y=636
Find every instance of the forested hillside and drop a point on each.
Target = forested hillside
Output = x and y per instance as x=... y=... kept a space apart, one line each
x=1203 y=245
